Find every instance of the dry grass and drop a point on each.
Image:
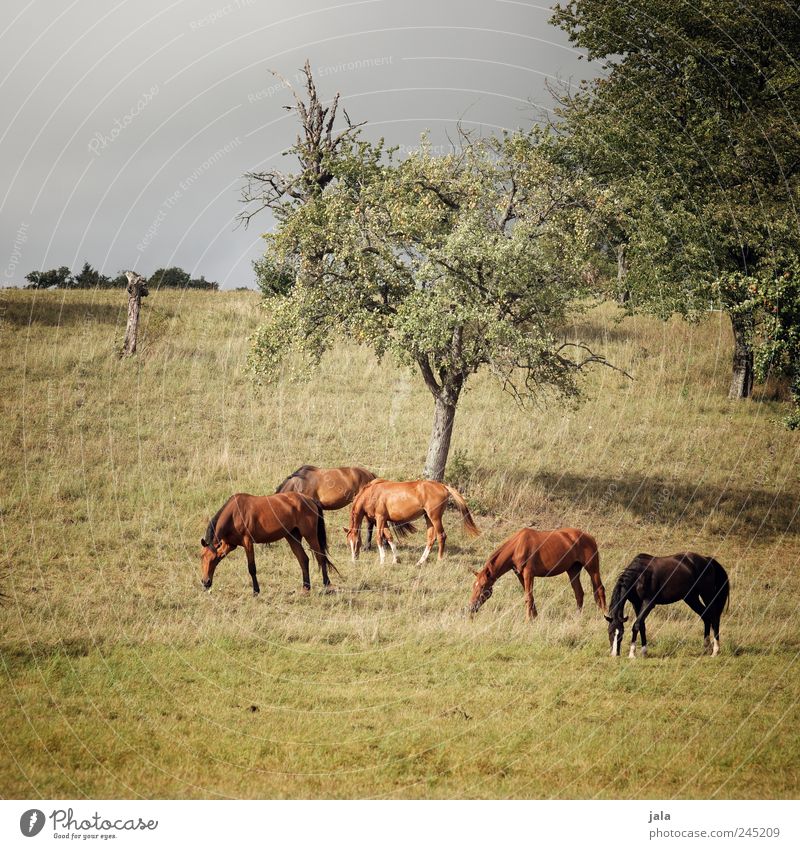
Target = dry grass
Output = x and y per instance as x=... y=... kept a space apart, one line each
x=122 y=678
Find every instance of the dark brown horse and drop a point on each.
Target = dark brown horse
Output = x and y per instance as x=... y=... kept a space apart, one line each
x=647 y=581
x=397 y=503
x=334 y=488
x=541 y=554
x=248 y=519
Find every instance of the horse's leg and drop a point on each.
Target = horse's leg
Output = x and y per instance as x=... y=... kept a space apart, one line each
x=430 y=535
x=370 y=529
x=715 y=626
x=638 y=626
x=380 y=529
x=302 y=558
x=441 y=536
x=247 y=544
x=715 y=616
x=574 y=573
x=388 y=535
x=701 y=610
x=527 y=584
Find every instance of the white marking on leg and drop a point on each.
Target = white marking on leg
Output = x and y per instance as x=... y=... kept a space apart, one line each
x=424 y=555
x=644 y=651
x=615 y=646
x=381 y=552
x=632 y=652
x=394 y=552
x=715 y=650
x=353 y=550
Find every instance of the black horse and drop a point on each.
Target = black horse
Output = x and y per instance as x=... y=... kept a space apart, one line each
x=647 y=581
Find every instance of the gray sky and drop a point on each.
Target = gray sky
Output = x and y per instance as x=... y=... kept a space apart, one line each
x=128 y=124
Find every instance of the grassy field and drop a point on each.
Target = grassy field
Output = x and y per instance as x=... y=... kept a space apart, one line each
x=121 y=678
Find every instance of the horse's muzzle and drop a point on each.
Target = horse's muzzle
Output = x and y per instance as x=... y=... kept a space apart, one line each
x=206 y=584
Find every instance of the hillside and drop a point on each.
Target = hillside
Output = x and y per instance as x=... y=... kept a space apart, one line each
x=122 y=678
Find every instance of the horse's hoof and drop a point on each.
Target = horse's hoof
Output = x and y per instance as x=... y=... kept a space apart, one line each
x=305 y=591
x=329 y=590
x=256 y=593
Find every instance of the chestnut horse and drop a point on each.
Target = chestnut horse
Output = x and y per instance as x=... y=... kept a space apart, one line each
x=541 y=554
x=247 y=519
x=333 y=488
x=397 y=503
x=647 y=581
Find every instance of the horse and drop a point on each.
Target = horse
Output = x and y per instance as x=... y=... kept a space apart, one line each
x=698 y=580
x=541 y=554
x=397 y=503
x=333 y=488
x=248 y=519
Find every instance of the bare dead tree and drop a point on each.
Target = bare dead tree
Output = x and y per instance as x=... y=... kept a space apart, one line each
x=136 y=289
x=315 y=146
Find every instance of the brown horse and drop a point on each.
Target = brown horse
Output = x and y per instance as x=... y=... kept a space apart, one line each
x=333 y=488
x=541 y=554
x=398 y=503
x=248 y=519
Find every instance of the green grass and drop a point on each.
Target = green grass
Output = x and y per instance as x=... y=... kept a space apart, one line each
x=121 y=678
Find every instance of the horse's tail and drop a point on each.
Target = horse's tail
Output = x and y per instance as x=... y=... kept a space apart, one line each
x=722 y=587
x=322 y=536
x=592 y=567
x=458 y=500
x=403 y=529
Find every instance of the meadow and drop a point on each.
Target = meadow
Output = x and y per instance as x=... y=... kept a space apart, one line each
x=122 y=678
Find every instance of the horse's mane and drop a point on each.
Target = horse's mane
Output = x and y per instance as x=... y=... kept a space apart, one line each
x=211 y=530
x=626 y=580
x=297 y=473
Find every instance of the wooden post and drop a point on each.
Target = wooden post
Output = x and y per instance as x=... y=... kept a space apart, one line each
x=137 y=289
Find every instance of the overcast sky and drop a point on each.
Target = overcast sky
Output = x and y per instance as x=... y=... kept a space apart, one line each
x=128 y=125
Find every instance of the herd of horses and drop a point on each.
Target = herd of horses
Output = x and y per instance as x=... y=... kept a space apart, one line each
x=296 y=513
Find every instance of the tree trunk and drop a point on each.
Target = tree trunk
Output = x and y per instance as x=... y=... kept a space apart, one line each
x=137 y=289
x=444 y=413
x=742 y=378
x=623 y=293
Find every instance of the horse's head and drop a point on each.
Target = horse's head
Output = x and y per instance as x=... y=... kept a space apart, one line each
x=481 y=590
x=353 y=535
x=211 y=555
x=616 y=628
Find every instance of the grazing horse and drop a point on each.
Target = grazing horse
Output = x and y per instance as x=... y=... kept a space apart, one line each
x=248 y=519
x=397 y=503
x=541 y=554
x=647 y=581
x=333 y=488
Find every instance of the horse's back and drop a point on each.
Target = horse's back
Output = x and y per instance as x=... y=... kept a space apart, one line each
x=298 y=480
x=554 y=548
x=565 y=538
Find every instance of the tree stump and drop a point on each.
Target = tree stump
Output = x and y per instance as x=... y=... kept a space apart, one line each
x=136 y=289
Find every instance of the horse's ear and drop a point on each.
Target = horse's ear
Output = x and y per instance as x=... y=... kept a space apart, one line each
x=475 y=572
x=204 y=543
x=625 y=619
x=608 y=618
x=346 y=530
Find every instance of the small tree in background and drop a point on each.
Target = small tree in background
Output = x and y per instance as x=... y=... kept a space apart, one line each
x=60 y=278
x=90 y=278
